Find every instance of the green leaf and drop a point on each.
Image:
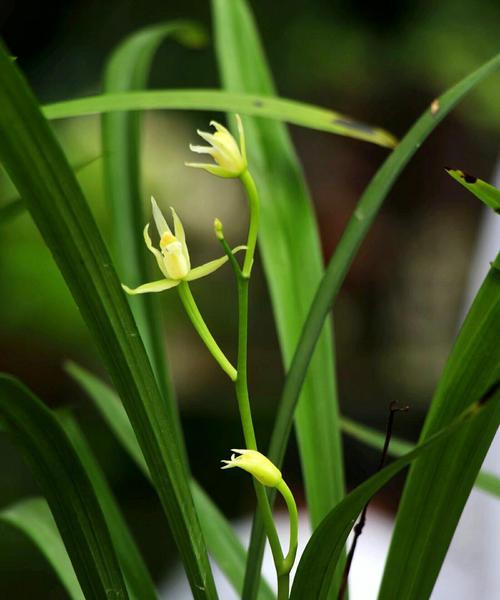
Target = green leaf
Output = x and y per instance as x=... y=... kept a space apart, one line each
x=286 y=206
x=222 y=542
x=487 y=193
x=260 y=104
x=67 y=488
x=32 y=516
x=440 y=483
x=314 y=573
x=39 y=170
x=128 y=69
x=488 y=482
x=137 y=577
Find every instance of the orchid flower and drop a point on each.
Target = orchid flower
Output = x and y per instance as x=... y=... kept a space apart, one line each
x=173 y=256
x=231 y=159
x=257 y=465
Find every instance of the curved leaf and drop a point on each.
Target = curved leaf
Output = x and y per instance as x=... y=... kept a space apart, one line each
x=257 y=105
x=39 y=170
x=32 y=516
x=67 y=488
x=319 y=560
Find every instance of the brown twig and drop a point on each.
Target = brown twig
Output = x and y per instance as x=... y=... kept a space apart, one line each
x=358 y=528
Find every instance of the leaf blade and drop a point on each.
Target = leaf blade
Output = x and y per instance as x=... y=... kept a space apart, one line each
x=257 y=105
x=32 y=516
x=67 y=488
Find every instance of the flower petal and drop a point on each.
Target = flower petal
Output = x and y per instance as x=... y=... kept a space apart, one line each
x=241 y=133
x=202 y=149
x=161 y=223
x=181 y=236
x=155 y=251
x=219 y=127
x=214 y=169
x=209 y=267
x=152 y=287
x=208 y=137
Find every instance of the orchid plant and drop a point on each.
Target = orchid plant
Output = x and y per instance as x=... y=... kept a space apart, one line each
x=76 y=521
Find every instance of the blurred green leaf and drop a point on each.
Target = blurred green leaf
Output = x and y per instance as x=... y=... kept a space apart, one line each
x=488 y=482
x=222 y=542
x=439 y=484
x=487 y=193
x=67 y=488
x=32 y=516
x=137 y=577
x=261 y=104
x=39 y=170
x=319 y=560
x=288 y=233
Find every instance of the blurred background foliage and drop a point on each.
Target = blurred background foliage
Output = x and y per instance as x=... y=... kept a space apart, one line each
x=399 y=309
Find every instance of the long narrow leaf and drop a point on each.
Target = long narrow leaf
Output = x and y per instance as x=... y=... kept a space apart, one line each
x=222 y=542
x=67 y=488
x=314 y=574
x=137 y=577
x=440 y=483
x=259 y=104
x=40 y=171
x=32 y=516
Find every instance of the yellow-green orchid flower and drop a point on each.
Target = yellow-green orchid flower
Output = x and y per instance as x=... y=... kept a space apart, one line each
x=256 y=464
x=173 y=256
x=231 y=159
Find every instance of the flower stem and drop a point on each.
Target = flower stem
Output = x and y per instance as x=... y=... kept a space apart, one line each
x=254 y=205
x=294 y=526
x=241 y=385
x=199 y=324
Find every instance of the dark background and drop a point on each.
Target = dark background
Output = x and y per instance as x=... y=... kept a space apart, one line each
x=398 y=311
